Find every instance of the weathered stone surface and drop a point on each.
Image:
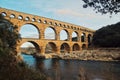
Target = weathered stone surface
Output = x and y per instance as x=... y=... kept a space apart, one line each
x=41 y=23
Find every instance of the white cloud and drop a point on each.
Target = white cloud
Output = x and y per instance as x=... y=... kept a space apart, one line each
x=71 y=13
x=30 y=35
x=50 y=36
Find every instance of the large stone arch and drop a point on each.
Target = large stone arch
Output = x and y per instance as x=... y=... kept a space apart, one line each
x=75 y=36
x=75 y=47
x=50 y=34
x=84 y=46
x=51 y=47
x=83 y=37
x=36 y=45
x=89 y=39
x=64 y=48
x=64 y=36
x=27 y=25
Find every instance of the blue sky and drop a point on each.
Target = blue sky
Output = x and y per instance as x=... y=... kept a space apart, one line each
x=64 y=10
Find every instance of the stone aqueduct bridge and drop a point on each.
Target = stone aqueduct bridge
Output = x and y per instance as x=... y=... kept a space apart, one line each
x=84 y=35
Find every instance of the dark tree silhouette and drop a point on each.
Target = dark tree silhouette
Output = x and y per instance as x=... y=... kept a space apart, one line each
x=8 y=35
x=103 y=6
x=108 y=36
x=10 y=69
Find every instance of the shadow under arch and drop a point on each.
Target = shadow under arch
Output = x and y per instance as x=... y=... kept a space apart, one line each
x=50 y=33
x=29 y=30
x=83 y=37
x=50 y=48
x=89 y=40
x=30 y=47
x=76 y=47
x=65 y=48
x=84 y=46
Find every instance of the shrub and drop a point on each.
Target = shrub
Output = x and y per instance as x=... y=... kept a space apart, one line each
x=10 y=69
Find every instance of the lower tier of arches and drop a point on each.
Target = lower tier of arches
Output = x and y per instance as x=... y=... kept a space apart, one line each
x=51 y=46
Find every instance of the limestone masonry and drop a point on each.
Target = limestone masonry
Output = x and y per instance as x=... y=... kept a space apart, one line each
x=41 y=23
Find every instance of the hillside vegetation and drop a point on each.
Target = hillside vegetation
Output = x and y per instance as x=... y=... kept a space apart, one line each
x=108 y=36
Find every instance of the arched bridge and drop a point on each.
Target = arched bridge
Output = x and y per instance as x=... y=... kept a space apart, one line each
x=82 y=40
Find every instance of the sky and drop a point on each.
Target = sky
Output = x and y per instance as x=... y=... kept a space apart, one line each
x=70 y=11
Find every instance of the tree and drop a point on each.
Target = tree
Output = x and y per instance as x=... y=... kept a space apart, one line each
x=108 y=36
x=8 y=36
x=10 y=69
x=103 y=6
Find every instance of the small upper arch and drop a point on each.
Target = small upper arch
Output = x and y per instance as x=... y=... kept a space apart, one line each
x=27 y=18
x=50 y=23
x=4 y=14
x=60 y=24
x=33 y=19
x=20 y=17
x=12 y=16
x=56 y=24
x=45 y=22
x=39 y=20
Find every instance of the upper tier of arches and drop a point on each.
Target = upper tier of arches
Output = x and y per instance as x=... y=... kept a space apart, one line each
x=34 y=18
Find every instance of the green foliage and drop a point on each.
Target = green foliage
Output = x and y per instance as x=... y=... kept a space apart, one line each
x=8 y=35
x=108 y=36
x=10 y=69
x=103 y=6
